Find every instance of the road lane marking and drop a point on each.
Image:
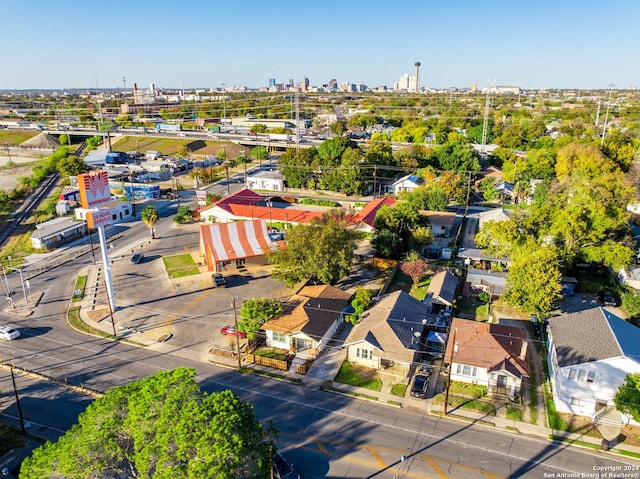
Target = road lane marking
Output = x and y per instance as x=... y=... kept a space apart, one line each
x=372 y=450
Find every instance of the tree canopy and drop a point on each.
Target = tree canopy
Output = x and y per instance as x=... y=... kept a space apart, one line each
x=257 y=311
x=159 y=427
x=627 y=399
x=150 y=217
x=321 y=251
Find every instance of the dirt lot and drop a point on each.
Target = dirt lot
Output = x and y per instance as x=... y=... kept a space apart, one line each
x=9 y=175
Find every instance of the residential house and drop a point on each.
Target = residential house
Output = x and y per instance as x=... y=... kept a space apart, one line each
x=363 y=219
x=407 y=184
x=309 y=320
x=590 y=354
x=492 y=282
x=442 y=291
x=491 y=355
x=506 y=190
x=388 y=334
x=271 y=180
x=494 y=214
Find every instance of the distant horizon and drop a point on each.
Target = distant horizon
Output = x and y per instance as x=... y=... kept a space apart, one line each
x=536 y=45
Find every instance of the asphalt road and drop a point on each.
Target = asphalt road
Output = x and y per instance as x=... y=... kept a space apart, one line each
x=323 y=434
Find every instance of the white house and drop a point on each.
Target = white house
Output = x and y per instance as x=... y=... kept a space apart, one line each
x=407 y=183
x=590 y=354
x=57 y=232
x=266 y=180
x=492 y=355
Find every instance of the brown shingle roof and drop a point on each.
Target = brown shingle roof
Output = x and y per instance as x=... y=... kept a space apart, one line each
x=312 y=311
x=495 y=347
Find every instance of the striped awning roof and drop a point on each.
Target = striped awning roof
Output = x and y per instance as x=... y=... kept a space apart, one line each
x=236 y=240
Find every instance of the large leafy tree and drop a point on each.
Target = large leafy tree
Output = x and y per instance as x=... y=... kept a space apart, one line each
x=533 y=282
x=457 y=155
x=160 y=427
x=71 y=166
x=321 y=251
x=150 y=217
x=257 y=311
x=397 y=223
x=627 y=399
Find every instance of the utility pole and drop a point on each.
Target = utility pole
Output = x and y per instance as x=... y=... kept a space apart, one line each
x=226 y=167
x=485 y=123
x=235 y=321
x=598 y=112
x=606 y=116
x=15 y=391
x=453 y=350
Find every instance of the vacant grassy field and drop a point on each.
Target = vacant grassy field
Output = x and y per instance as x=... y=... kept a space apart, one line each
x=170 y=146
x=15 y=137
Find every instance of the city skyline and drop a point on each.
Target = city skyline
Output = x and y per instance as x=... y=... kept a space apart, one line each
x=546 y=45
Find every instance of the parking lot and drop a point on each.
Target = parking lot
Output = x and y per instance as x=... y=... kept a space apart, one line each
x=187 y=312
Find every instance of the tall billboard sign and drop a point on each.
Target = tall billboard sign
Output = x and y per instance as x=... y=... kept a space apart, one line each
x=94 y=189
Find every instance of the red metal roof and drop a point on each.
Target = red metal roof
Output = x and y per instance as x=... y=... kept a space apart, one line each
x=368 y=213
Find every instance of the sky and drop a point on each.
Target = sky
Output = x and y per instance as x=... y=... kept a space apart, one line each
x=210 y=43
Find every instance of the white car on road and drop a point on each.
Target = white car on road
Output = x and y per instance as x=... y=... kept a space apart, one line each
x=8 y=333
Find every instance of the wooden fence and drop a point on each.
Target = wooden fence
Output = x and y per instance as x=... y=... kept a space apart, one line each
x=269 y=362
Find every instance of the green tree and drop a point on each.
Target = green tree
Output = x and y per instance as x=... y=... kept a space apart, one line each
x=627 y=399
x=71 y=166
x=361 y=301
x=183 y=215
x=488 y=189
x=63 y=139
x=321 y=251
x=159 y=427
x=150 y=217
x=401 y=220
x=533 y=281
x=259 y=128
x=338 y=128
x=456 y=155
x=257 y=311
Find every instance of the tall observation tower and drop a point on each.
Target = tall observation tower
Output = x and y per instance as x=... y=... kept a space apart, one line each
x=417 y=64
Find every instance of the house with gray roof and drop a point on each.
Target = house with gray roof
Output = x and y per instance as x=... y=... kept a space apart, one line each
x=590 y=354
x=442 y=291
x=388 y=333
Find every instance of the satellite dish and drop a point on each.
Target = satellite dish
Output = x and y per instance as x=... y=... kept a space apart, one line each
x=424 y=321
x=417 y=334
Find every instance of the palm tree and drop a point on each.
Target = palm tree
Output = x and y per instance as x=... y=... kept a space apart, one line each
x=150 y=217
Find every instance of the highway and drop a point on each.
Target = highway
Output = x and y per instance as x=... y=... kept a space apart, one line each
x=323 y=434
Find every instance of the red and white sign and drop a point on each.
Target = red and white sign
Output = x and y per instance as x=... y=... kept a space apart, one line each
x=94 y=189
x=99 y=218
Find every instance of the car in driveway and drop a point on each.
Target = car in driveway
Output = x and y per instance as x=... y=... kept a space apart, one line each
x=282 y=469
x=608 y=298
x=230 y=330
x=137 y=258
x=420 y=385
x=8 y=333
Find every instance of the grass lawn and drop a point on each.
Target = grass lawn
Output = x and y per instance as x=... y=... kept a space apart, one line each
x=514 y=413
x=458 y=388
x=479 y=405
x=420 y=291
x=180 y=265
x=358 y=376
x=401 y=282
x=78 y=290
x=170 y=146
x=472 y=308
x=16 y=137
x=9 y=438
x=399 y=390
x=272 y=353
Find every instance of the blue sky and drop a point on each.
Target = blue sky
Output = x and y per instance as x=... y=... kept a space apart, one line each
x=540 y=44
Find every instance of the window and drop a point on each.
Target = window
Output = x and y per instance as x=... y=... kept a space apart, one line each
x=459 y=369
x=577 y=402
x=279 y=337
x=591 y=376
x=466 y=370
x=572 y=373
x=364 y=353
x=582 y=375
x=474 y=373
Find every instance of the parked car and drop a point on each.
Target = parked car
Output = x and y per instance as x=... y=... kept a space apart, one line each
x=137 y=258
x=608 y=298
x=219 y=281
x=8 y=333
x=282 y=469
x=420 y=385
x=230 y=330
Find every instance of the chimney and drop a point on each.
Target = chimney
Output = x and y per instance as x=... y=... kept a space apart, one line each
x=523 y=350
x=135 y=93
